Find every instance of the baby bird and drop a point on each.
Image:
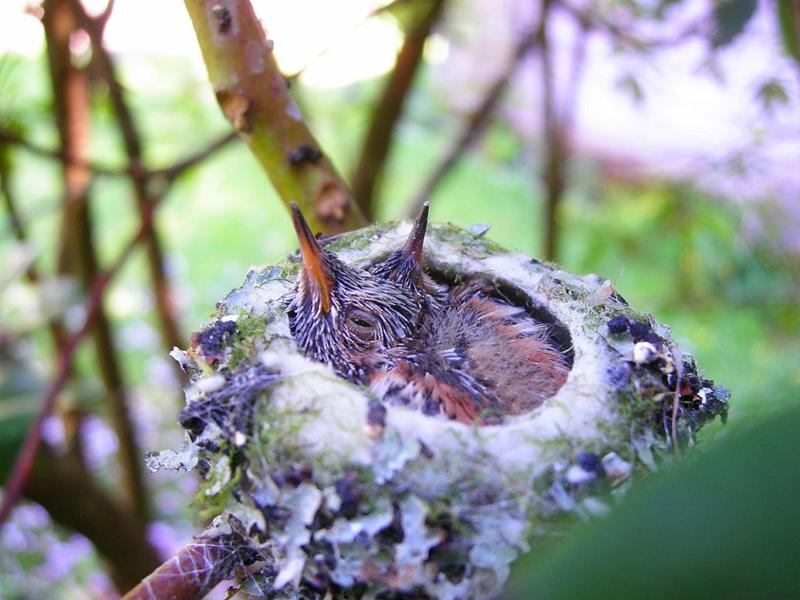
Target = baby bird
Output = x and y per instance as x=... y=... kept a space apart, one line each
x=404 y=267
x=475 y=357
x=465 y=353
x=345 y=316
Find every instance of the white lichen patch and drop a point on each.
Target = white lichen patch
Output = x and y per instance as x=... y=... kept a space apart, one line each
x=184 y=459
x=422 y=506
x=332 y=411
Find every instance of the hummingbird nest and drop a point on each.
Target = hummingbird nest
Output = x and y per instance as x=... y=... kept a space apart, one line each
x=332 y=494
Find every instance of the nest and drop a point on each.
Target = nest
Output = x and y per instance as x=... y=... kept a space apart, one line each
x=329 y=492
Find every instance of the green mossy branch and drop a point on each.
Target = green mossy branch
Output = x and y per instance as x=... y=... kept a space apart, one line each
x=254 y=96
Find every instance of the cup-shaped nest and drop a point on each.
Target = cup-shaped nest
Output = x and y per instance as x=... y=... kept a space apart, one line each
x=332 y=492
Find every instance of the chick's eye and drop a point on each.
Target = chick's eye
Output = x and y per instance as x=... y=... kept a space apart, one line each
x=362 y=326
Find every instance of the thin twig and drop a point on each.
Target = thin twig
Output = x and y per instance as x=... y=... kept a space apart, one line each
x=677 y=362
x=161 y=177
x=7 y=137
x=557 y=119
x=476 y=123
x=555 y=152
x=388 y=109
x=22 y=467
x=98 y=169
x=72 y=419
x=572 y=91
x=624 y=35
x=178 y=168
x=164 y=298
x=103 y=17
x=70 y=88
x=14 y=217
x=57 y=331
x=291 y=77
x=793 y=10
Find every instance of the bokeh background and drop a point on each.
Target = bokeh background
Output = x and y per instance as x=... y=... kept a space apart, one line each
x=666 y=134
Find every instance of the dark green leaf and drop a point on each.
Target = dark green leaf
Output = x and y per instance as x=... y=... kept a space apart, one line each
x=720 y=525
x=730 y=19
x=631 y=86
x=789 y=20
x=772 y=94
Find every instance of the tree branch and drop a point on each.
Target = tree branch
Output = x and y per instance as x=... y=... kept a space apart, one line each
x=557 y=119
x=7 y=137
x=553 y=173
x=169 y=172
x=254 y=97
x=57 y=331
x=375 y=12
x=14 y=217
x=590 y=19
x=165 y=305
x=71 y=99
x=22 y=467
x=476 y=123
x=177 y=169
x=194 y=570
x=389 y=107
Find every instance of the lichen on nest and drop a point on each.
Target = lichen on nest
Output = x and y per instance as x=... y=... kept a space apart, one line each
x=334 y=494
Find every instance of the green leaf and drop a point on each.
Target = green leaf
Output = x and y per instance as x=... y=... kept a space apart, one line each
x=789 y=21
x=772 y=94
x=630 y=85
x=730 y=19
x=720 y=525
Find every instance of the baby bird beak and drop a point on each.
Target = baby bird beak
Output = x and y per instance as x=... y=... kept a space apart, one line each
x=311 y=252
x=413 y=245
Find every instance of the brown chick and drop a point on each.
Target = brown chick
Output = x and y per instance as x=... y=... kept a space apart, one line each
x=475 y=357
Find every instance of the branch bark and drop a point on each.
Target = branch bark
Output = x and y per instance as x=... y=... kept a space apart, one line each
x=71 y=100
x=193 y=572
x=389 y=107
x=254 y=97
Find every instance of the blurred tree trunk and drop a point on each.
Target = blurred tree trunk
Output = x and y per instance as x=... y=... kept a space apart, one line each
x=553 y=173
x=558 y=115
x=389 y=107
x=132 y=141
x=71 y=105
x=65 y=489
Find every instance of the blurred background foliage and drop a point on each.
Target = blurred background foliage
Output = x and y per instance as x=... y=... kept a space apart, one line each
x=710 y=248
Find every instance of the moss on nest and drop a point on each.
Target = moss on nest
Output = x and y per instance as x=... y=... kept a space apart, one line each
x=422 y=507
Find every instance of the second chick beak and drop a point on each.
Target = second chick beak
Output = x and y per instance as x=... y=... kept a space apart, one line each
x=413 y=245
x=312 y=256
